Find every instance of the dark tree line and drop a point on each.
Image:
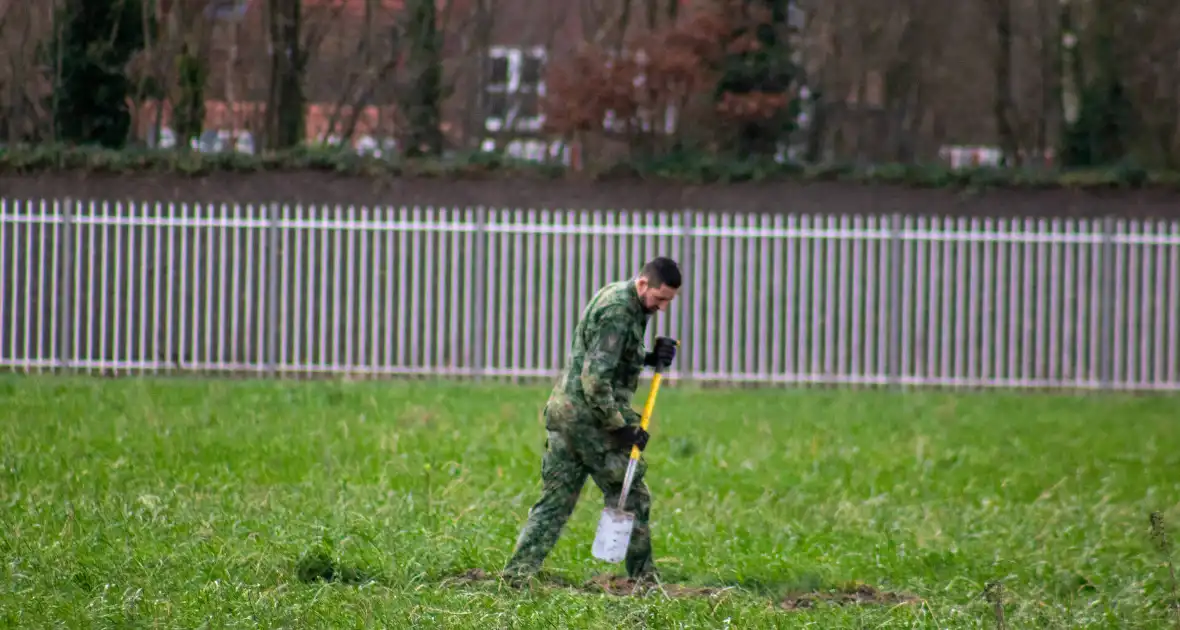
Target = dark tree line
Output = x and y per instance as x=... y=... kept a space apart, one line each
x=1095 y=81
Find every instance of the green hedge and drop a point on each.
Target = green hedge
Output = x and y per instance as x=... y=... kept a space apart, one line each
x=685 y=168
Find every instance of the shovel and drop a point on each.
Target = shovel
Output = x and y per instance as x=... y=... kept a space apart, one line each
x=615 y=524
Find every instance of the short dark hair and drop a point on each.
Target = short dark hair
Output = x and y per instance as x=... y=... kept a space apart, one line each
x=660 y=271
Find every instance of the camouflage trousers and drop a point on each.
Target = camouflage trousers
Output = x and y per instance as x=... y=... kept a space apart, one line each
x=571 y=457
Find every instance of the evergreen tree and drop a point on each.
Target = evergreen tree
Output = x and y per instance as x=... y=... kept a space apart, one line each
x=1102 y=132
x=97 y=39
x=765 y=68
x=188 y=116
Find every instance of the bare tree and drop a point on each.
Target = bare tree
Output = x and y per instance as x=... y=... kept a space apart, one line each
x=26 y=93
x=363 y=70
x=1150 y=54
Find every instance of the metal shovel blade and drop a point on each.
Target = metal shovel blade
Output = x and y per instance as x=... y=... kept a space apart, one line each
x=613 y=536
x=614 y=526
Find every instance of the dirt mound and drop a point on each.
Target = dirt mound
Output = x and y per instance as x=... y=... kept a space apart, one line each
x=854 y=594
x=603 y=583
x=469 y=576
x=474 y=576
x=621 y=586
x=859 y=594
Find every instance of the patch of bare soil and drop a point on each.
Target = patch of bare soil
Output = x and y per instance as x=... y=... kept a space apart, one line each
x=618 y=585
x=475 y=576
x=858 y=594
x=469 y=576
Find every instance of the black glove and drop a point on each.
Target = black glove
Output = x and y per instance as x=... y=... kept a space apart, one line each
x=662 y=354
x=629 y=435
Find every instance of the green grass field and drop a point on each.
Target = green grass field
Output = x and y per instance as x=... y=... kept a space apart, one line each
x=187 y=504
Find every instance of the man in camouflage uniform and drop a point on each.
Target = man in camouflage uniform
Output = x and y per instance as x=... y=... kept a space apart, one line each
x=590 y=423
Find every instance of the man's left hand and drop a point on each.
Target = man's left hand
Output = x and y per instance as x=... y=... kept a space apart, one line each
x=662 y=354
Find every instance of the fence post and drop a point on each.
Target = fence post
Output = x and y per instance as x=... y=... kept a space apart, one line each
x=688 y=246
x=272 y=289
x=1106 y=299
x=481 y=268
x=895 y=298
x=65 y=271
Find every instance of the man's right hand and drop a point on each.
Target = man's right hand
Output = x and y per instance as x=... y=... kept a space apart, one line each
x=629 y=435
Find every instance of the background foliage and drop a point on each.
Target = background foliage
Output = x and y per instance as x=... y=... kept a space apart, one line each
x=1047 y=83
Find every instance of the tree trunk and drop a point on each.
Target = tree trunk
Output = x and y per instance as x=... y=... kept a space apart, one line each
x=422 y=100
x=284 y=109
x=1051 y=69
x=189 y=113
x=1002 y=107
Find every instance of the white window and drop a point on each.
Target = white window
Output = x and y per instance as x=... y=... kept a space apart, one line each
x=514 y=87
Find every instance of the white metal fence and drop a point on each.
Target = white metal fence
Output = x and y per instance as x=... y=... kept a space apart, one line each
x=287 y=289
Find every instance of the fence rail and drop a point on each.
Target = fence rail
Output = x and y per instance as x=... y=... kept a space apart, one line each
x=777 y=298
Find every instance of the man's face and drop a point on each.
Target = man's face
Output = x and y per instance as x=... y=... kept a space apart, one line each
x=653 y=298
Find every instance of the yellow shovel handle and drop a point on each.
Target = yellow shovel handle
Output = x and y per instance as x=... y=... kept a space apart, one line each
x=647 y=409
x=650 y=405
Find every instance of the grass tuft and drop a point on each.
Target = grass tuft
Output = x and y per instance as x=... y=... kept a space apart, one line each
x=319 y=566
x=1163 y=544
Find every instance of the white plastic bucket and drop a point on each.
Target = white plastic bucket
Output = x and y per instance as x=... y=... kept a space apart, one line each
x=613 y=536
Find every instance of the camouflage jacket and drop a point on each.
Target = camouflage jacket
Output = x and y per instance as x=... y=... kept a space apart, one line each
x=605 y=360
